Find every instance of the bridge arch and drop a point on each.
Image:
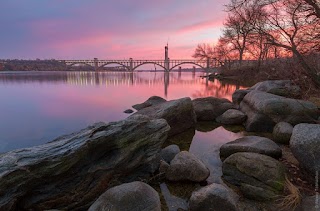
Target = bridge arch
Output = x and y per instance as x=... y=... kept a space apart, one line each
x=125 y=66
x=149 y=63
x=177 y=65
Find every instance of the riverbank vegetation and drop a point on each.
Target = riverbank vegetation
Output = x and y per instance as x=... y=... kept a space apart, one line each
x=270 y=39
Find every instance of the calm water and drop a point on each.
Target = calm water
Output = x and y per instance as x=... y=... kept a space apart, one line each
x=37 y=107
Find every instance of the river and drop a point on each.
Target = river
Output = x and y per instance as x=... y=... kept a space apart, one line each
x=37 y=107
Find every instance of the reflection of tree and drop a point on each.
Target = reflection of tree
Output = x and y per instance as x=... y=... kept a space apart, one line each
x=216 y=89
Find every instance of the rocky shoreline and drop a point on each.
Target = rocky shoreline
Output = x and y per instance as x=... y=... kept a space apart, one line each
x=106 y=166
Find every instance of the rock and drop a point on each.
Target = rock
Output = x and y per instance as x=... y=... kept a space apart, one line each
x=264 y=110
x=128 y=111
x=315 y=100
x=238 y=95
x=258 y=176
x=209 y=108
x=187 y=167
x=168 y=153
x=283 y=88
x=310 y=203
x=305 y=146
x=254 y=144
x=126 y=197
x=163 y=166
x=282 y=132
x=213 y=197
x=178 y=113
x=70 y=172
x=232 y=117
x=154 y=100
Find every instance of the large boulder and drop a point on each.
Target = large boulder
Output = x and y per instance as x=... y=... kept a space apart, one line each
x=255 y=144
x=283 y=88
x=70 y=172
x=187 y=167
x=258 y=176
x=264 y=110
x=154 y=100
x=137 y=196
x=209 y=108
x=179 y=114
x=232 y=117
x=168 y=153
x=213 y=197
x=282 y=132
x=305 y=146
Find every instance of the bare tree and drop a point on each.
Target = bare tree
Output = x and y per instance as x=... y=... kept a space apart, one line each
x=295 y=32
x=312 y=6
x=239 y=25
x=289 y=24
x=203 y=51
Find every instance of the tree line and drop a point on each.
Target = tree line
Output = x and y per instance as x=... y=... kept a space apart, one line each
x=264 y=29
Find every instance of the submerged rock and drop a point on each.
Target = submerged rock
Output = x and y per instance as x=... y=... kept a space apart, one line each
x=178 y=113
x=255 y=144
x=282 y=132
x=154 y=100
x=264 y=110
x=258 y=176
x=174 y=203
x=126 y=197
x=187 y=167
x=209 y=108
x=213 y=197
x=305 y=146
x=73 y=170
x=128 y=111
x=232 y=117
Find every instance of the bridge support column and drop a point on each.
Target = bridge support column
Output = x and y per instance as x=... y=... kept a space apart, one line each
x=130 y=64
x=96 y=64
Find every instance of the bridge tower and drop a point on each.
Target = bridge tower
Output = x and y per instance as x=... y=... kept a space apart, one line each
x=166 y=58
x=130 y=64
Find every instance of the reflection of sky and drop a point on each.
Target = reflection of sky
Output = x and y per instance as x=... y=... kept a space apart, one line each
x=206 y=146
x=36 y=109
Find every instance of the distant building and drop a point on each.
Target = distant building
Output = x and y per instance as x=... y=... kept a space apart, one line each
x=1 y=67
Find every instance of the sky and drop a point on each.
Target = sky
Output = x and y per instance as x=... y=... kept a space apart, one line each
x=107 y=29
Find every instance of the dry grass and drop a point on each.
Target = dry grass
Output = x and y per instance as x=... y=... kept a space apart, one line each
x=291 y=198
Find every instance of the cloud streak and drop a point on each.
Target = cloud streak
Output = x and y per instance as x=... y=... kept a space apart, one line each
x=107 y=29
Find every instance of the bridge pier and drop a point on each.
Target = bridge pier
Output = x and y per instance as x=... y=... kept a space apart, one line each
x=96 y=64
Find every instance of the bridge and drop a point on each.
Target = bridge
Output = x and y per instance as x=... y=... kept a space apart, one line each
x=131 y=64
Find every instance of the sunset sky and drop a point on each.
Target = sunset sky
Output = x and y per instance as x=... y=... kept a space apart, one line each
x=107 y=29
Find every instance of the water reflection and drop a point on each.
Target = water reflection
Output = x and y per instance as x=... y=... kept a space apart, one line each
x=209 y=88
x=37 y=107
